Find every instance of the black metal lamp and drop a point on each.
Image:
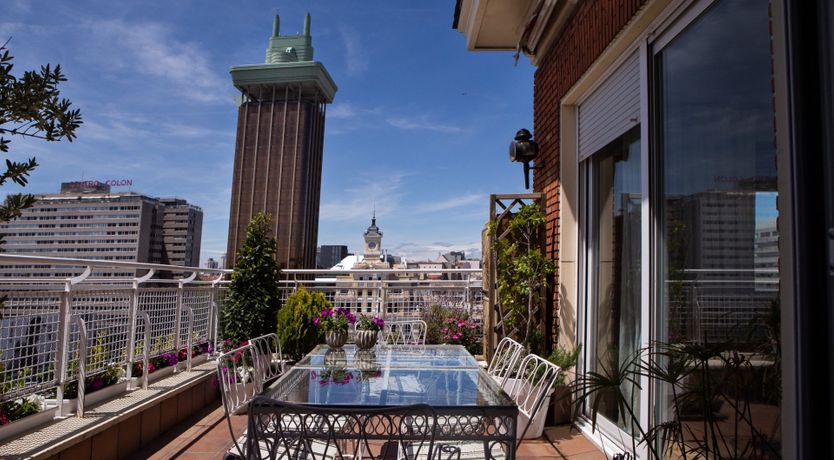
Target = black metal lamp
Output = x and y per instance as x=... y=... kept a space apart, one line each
x=524 y=149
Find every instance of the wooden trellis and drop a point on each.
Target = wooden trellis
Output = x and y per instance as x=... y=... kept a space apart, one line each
x=501 y=210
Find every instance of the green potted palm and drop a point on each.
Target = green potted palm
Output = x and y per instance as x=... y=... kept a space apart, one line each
x=562 y=401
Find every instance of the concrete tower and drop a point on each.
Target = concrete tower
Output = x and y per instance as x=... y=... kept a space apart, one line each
x=278 y=153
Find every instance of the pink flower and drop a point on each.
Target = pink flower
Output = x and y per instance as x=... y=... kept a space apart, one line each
x=316 y=321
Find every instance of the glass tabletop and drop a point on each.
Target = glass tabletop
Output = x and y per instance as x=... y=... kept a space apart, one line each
x=438 y=375
x=402 y=356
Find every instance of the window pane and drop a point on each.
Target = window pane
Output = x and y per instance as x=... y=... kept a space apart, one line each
x=616 y=271
x=719 y=280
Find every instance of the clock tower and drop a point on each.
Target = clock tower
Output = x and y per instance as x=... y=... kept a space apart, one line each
x=373 y=241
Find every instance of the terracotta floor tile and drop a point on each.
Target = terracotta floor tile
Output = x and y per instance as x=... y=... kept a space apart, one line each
x=536 y=449
x=595 y=455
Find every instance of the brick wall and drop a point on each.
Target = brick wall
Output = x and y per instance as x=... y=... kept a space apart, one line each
x=594 y=25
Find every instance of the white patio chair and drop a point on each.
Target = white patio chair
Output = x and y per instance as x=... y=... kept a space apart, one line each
x=503 y=362
x=405 y=332
x=534 y=378
x=239 y=384
x=270 y=362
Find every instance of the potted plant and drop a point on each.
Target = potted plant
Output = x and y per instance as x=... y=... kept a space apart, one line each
x=367 y=331
x=562 y=402
x=458 y=331
x=335 y=325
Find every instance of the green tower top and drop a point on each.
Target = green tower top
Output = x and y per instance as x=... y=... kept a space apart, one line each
x=289 y=63
x=289 y=48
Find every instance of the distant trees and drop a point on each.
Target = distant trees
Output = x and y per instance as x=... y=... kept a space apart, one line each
x=30 y=106
x=252 y=305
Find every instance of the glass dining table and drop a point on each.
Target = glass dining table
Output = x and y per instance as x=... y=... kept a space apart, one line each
x=472 y=408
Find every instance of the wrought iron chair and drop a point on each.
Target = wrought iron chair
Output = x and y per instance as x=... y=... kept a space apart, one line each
x=405 y=332
x=270 y=362
x=279 y=430
x=239 y=383
x=504 y=360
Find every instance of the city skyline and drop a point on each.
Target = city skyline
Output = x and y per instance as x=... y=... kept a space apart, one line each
x=158 y=104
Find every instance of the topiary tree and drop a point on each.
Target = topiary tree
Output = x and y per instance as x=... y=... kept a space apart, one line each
x=296 y=331
x=253 y=294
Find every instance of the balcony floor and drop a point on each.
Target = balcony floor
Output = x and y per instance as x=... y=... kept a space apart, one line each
x=206 y=436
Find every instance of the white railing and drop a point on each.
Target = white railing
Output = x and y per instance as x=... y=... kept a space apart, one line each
x=55 y=331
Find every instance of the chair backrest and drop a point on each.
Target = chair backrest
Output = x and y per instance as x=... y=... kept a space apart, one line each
x=534 y=379
x=281 y=430
x=504 y=361
x=238 y=380
x=270 y=362
x=405 y=332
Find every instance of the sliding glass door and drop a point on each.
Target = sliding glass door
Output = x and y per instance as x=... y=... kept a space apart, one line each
x=717 y=244
x=614 y=263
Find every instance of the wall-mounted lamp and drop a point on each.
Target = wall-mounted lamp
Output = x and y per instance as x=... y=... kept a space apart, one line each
x=524 y=149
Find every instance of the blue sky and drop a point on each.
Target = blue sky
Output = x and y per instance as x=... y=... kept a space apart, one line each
x=419 y=125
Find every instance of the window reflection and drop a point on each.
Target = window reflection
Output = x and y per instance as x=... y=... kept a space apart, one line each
x=718 y=242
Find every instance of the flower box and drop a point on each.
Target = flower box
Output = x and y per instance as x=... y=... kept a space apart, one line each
x=90 y=399
x=14 y=429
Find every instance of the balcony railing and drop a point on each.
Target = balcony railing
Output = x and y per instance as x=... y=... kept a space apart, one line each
x=55 y=331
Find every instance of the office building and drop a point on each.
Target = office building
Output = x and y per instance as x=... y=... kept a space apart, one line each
x=91 y=222
x=278 y=154
x=329 y=255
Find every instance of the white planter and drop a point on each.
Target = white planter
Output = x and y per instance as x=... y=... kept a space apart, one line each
x=90 y=399
x=17 y=427
x=136 y=382
x=536 y=429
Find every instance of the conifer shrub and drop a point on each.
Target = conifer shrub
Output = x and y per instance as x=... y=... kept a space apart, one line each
x=296 y=330
x=254 y=296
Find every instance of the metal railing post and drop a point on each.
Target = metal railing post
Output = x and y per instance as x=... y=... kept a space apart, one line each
x=132 y=315
x=383 y=296
x=190 y=313
x=82 y=365
x=62 y=356
x=146 y=348
x=178 y=318
x=63 y=346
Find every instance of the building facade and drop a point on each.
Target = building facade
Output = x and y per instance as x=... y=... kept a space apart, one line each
x=679 y=162
x=182 y=226
x=328 y=256
x=94 y=223
x=279 y=148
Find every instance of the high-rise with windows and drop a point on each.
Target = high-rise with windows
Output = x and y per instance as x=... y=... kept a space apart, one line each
x=278 y=154
x=93 y=223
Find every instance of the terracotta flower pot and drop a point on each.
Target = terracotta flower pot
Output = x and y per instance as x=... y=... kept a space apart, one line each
x=366 y=339
x=335 y=339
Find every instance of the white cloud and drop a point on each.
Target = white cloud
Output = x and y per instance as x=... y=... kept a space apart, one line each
x=380 y=192
x=421 y=250
x=452 y=203
x=151 y=49
x=422 y=123
x=355 y=55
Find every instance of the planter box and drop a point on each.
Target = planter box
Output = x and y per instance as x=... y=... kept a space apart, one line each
x=536 y=429
x=17 y=427
x=90 y=399
x=136 y=382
